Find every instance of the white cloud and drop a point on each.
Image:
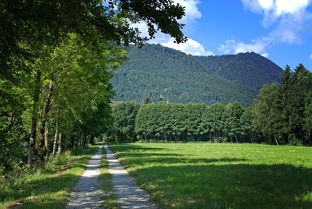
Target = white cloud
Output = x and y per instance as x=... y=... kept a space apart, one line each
x=234 y=47
x=191 y=14
x=287 y=18
x=290 y=6
x=311 y=56
x=276 y=7
x=265 y=54
x=190 y=47
x=191 y=10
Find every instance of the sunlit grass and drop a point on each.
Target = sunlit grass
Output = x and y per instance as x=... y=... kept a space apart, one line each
x=46 y=188
x=206 y=175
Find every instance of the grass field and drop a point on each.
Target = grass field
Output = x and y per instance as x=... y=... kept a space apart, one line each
x=48 y=188
x=231 y=176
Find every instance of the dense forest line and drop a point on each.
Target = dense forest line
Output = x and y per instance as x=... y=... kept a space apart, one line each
x=165 y=74
x=281 y=114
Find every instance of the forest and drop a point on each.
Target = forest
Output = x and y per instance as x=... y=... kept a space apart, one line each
x=56 y=61
x=165 y=74
x=281 y=114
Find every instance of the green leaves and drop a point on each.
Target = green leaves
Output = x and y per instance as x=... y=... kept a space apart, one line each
x=282 y=110
x=175 y=122
x=124 y=115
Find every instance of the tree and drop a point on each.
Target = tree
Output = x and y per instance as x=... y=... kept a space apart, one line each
x=248 y=130
x=268 y=112
x=39 y=23
x=68 y=93
x=216 y=121
x=147 y=100
x=280 y=109
x=32 y=49
x=308 y=116
x=233 y=114
x=124 y=115
x=301 y=84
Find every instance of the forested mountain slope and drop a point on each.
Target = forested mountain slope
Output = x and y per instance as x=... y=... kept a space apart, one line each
x=166 y=74
x=248 y=69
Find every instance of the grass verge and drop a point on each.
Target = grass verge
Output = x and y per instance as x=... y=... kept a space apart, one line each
x=107 y=185
x=47 y=188
x=217 y=176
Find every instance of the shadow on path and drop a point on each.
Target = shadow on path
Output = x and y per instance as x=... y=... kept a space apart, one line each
x=87 y=192
x=128 y=194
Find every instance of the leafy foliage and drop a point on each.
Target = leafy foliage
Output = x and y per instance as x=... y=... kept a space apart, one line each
x=282 y=110
x=66 y=100
x=38 y=23
x=181 y=122
x=124 y=115
x=56 y=61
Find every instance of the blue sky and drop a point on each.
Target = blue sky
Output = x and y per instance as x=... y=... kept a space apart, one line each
x=280 y=30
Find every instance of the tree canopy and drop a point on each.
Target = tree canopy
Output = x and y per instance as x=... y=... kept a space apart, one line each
x=36 y=23
x=56 y=61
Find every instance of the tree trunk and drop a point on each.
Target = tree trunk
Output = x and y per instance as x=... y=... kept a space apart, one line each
x=276 y=141
x=84 y=139
x=43 y=142
x=34 y=120
x=59 y=144
x=44 y=130
x=46 y=143
x=55 y=141
x=215 y=137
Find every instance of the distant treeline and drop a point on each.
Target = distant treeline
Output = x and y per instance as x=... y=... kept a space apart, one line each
x=281 y=114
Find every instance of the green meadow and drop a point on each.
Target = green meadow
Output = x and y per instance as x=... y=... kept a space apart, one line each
x=231 y=176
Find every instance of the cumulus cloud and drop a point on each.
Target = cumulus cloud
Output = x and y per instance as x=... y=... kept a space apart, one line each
x=287 y=18
x=190 y=47
x=191 y=10
x=276 y=7
x=234 y=47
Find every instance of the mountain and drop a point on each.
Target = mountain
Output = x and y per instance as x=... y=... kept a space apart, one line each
x=165 y=74
x=248 y=69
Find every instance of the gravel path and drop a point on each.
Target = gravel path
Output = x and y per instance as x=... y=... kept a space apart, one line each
x=87 y=192
x=128 y=194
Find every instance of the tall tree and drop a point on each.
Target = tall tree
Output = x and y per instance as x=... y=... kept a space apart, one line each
x=308 y=116
x=233 y=115
x=268 y=112
x=30 y=31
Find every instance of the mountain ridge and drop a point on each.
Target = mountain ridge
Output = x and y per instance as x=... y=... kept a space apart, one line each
x=251 y=59
x=165 y=74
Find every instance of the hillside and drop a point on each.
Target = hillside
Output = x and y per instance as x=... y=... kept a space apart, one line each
x=165 y=74
x=247 y=69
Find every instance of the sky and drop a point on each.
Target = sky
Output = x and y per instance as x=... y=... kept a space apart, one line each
x=280 y=30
